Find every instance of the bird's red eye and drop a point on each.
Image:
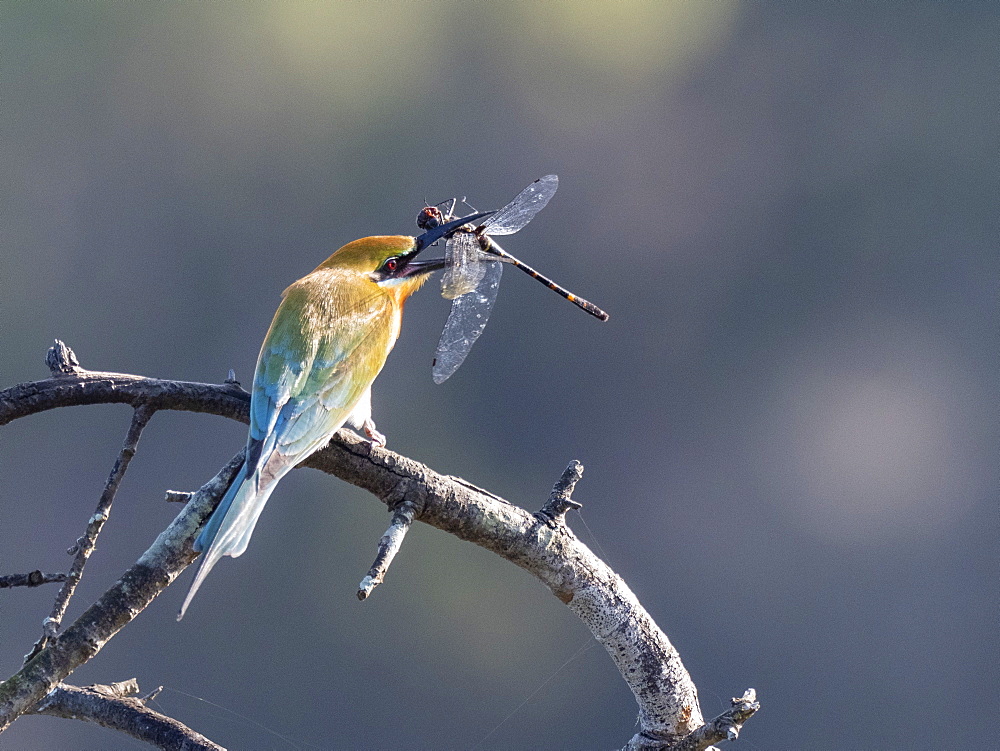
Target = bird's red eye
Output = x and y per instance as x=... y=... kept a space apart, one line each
x=391 y=265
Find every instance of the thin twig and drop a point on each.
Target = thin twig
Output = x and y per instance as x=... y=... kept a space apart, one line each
x=34 y=579
x=62 y=360
x=388 y=546
x=113 y=707
x=553 y=513
x=85 y=545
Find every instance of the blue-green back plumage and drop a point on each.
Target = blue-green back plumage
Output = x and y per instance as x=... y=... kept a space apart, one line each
x=328 y=341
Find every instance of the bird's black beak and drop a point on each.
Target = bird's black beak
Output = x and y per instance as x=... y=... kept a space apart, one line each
x=414 y=267
x=444 y=231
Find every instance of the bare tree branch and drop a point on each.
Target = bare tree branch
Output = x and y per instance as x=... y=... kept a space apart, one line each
x=667 y=698
x=141 y=583
x=79 y=387
x=114 y=707
x=85 y=545
x=668 y=705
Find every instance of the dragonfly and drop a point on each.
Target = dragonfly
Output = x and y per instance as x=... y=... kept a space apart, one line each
x=474 y=264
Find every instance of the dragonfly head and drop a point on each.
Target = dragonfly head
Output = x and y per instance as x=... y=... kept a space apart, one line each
x=435 y=231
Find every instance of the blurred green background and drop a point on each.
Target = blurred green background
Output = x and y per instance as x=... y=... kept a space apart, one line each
x=789 y=424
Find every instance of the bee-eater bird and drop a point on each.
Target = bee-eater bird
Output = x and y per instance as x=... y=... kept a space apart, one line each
x=328 y=341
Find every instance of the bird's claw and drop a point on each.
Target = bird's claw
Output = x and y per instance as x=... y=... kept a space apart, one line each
x=376 y=438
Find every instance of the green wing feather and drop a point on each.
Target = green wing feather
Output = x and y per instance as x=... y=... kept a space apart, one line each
x=324 y=349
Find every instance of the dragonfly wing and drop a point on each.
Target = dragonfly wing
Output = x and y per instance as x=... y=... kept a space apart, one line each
x=466 y=321
x=464 y=270
x=522 y=209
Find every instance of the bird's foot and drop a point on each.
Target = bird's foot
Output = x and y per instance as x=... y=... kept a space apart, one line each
x=376 y=438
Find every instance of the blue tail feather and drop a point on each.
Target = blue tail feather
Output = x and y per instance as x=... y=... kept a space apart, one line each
x=228 y=530
x=211 y=529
